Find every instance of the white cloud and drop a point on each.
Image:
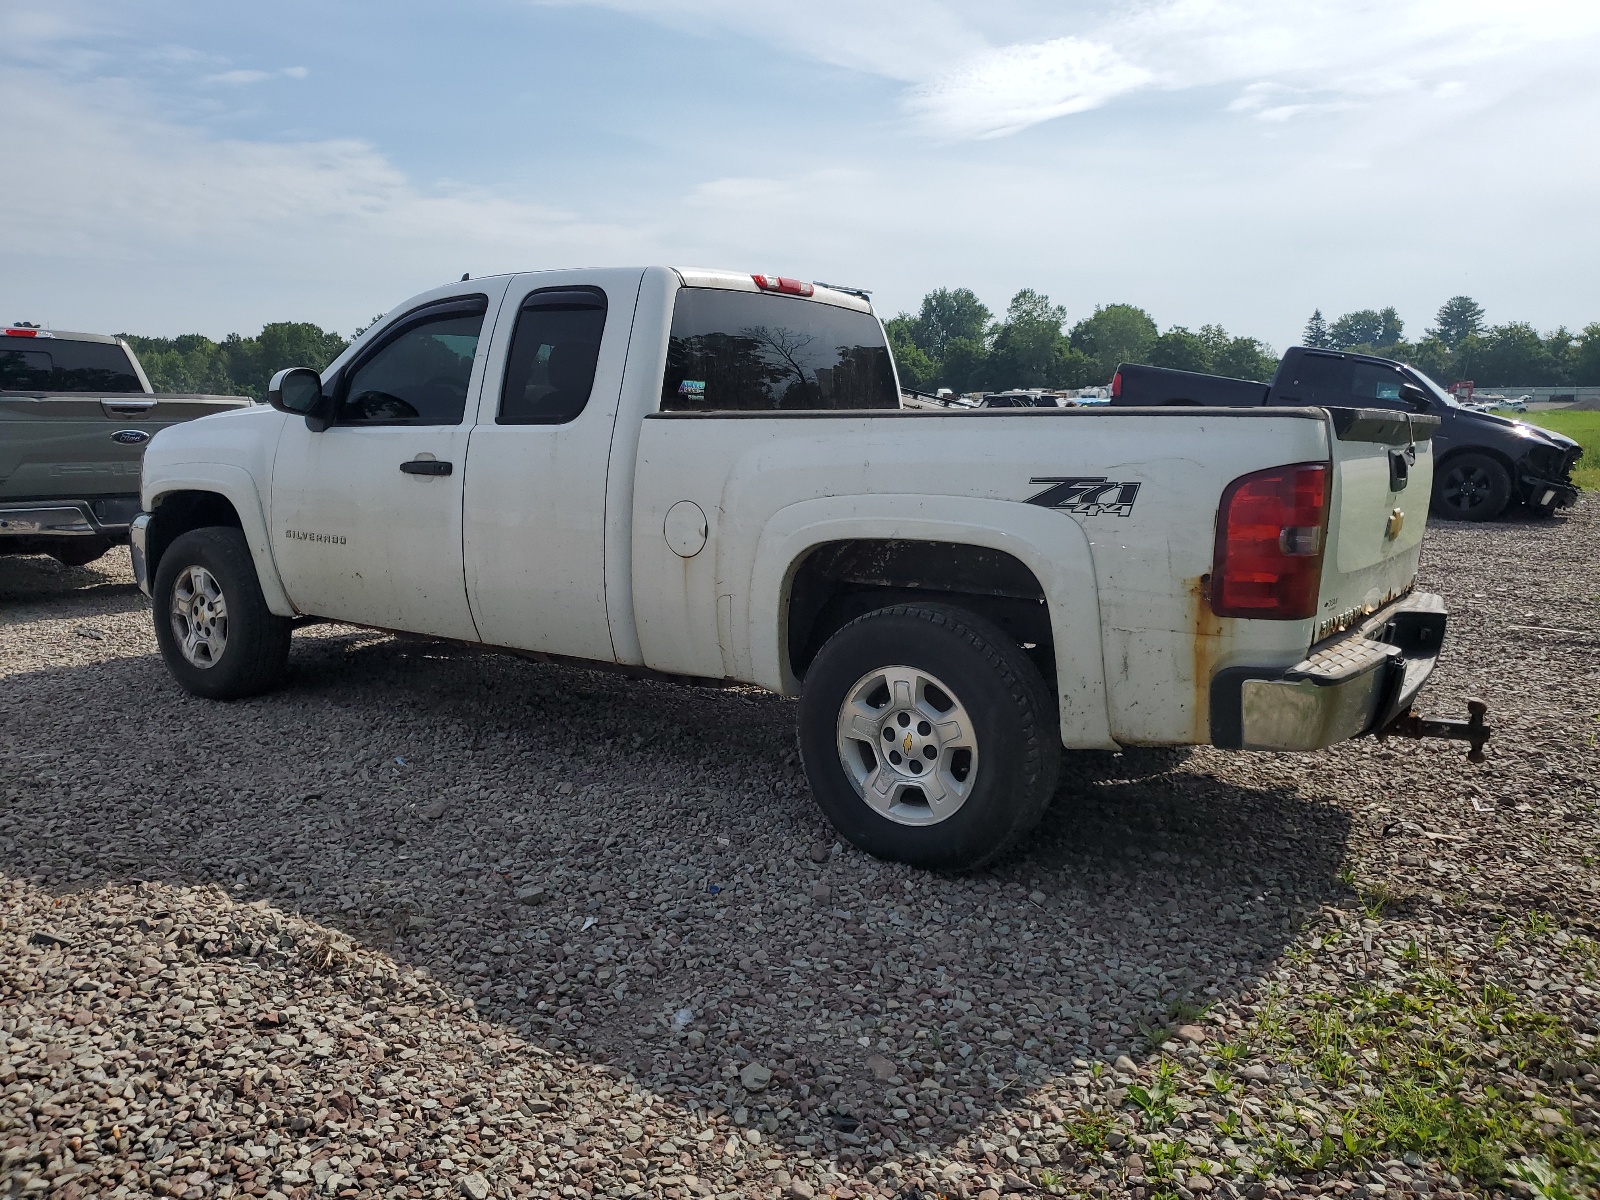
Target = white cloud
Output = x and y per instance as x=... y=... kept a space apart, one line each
x=1002 y=91
x=981 y=68
x=245 y=77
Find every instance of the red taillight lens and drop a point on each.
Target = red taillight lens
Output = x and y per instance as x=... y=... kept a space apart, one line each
x=1270 y=533
x=782 y=283
x=22 y=333
x=1116 y=385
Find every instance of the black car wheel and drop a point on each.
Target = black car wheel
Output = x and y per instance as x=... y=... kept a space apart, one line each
x=216 y=633
x=928 y=736
x=1471 y=487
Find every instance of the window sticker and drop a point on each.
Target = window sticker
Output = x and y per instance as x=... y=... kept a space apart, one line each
x=694 y=389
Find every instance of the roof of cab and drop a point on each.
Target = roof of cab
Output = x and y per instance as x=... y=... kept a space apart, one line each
x=743 y=281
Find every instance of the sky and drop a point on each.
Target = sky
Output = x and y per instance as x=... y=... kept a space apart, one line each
x=179 y=167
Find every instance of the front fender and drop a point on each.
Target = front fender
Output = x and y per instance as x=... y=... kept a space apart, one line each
x=1050 y=544
x=238 y=487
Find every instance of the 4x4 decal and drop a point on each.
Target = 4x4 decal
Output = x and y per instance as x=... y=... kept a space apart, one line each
x=1088 y=495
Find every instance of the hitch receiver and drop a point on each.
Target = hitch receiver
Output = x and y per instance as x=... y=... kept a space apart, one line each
x=1473 y=729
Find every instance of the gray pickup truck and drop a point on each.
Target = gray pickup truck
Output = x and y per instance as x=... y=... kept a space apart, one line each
x=76 y=411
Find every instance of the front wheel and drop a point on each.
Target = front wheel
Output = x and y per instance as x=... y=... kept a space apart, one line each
x=928 y=736
x=215 y=631
x=1471 y=487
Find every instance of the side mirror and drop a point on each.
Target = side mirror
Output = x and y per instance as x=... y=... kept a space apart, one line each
x=295 y=390
x=1414 y=397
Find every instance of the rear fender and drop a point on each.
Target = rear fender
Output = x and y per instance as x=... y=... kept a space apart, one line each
x=238 y=487
x=1050 y=544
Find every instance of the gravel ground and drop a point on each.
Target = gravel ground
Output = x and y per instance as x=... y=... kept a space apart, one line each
x=434 y=922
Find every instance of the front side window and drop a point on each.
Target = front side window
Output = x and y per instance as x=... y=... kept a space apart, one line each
x=554 y=351
x=1373 y=383
x=419 y=375
x=63 y=365
x=745 y=351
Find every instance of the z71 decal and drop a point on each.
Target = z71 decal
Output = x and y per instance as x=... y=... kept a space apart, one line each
x=1088 y=495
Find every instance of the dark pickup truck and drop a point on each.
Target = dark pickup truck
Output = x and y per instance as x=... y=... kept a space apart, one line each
x=75 y=413
x=1481 y=462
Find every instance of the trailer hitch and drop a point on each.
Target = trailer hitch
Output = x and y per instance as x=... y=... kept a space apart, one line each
x=1473 y=729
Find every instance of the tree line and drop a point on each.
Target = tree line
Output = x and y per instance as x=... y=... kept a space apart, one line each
x=954 y=341
x=237 y=365
x=1461 y=345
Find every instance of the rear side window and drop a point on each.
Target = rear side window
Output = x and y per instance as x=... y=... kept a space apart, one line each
x=60 y=365
x=554 y=350
x=743 y=351
x=419 y=374
x=1315 y=379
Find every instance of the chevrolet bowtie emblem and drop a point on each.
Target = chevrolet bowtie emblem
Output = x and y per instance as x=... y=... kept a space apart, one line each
x=907 y=743
x=1397 y=520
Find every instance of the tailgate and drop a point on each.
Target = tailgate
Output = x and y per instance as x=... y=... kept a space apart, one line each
x=72 y=446
x=1378 y=511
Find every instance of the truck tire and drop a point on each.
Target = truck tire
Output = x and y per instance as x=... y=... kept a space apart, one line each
x=928 y=736
x=78 y=552
x=216 y=633
x=1471 y=487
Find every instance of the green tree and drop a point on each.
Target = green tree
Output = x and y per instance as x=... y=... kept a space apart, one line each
x=949 y=313
x=965 y=366
x=917 y=368
x=1245 y=358
x=1458 y=319
x=1369 y=328
x=1586 y=357
x=1316 y=335
x=1116 y=333
x=1026 y=349
x=1508 y=355
x=1180 y=350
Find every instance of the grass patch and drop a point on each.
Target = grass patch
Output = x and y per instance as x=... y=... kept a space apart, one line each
x=1584 y=427
x=1414 y=1063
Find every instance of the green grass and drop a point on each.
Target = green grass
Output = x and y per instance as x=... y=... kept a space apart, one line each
x=1585 y=428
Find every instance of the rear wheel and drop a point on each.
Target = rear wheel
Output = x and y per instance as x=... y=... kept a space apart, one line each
x=928 y=736
x=1471 y=487
x=216 y=633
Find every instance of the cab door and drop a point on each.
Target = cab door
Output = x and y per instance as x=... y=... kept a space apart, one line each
x=366 y=514
x=535 y=503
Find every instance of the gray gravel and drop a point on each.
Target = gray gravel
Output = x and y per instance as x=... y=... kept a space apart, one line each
x=430 y=921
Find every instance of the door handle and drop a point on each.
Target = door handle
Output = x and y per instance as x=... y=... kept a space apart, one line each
x=426 y=466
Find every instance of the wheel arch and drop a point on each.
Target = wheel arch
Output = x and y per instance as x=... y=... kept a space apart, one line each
x=1051 y=561
x=214 y=494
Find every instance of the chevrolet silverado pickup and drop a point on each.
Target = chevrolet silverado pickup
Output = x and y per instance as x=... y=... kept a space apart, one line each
x=1482 y=462
x=708 y=477
x=75 y=413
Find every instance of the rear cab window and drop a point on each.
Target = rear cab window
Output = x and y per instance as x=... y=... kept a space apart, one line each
x=61 y=364
x=737 y=351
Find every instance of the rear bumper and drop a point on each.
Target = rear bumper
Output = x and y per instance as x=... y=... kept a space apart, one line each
x=1352 y=684
x=106 y=518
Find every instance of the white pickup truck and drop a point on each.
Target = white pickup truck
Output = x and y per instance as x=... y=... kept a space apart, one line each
x=707 y=476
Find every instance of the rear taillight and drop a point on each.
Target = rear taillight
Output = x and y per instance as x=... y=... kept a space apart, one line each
x=782 y=283
x=1116 y=385
x=1270 y=534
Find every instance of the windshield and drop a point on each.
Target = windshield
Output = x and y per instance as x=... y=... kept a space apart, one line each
x=1433 y=389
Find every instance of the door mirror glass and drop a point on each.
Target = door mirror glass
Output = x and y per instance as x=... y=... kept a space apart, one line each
x=296 y=390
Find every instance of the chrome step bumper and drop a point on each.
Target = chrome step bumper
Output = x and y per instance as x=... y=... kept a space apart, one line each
x=104 y=518
x=1353 y=684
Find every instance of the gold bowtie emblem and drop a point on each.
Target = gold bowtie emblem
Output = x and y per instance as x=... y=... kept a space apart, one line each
x=907 y=743
x=1397 y=520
